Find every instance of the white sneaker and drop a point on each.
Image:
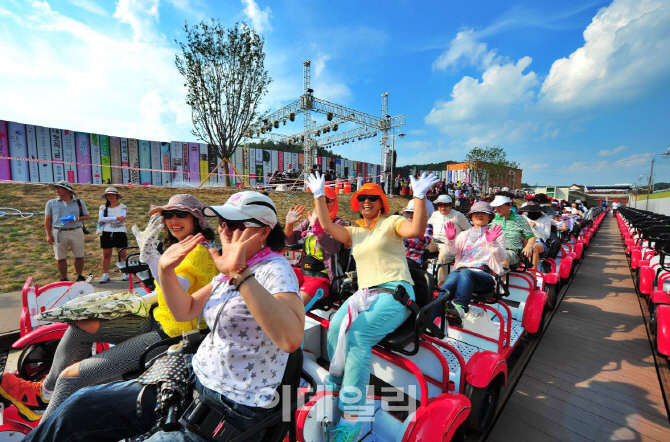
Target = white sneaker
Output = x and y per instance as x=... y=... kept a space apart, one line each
x=125 y=277
x=105 y=278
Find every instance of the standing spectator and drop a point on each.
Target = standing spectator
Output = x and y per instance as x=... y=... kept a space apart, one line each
x=111 y=219
x=397 y=184
x=615 y=207
x=63 y=218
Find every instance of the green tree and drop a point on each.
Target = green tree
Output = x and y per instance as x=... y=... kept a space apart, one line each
x=489 y=165
x=226 y=80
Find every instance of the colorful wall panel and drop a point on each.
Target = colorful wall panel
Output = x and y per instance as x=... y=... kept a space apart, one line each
x=5 y=168
x=57 y=154
x=176 y=158
x=96 y=169
x=165 y=163
x=252 y=166
x=186 y=174
x=18 y=148
x=83 y=147
x=145 y=162
x=156 y=175
x=194 y=163
x=69 y=156
x=212 y=161
x=115 y=159
x=125 y=161
x=31 y=142
x=134 y=161
x=105 y=160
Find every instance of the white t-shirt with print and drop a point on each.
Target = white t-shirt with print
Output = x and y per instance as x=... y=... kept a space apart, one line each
x=238 y=359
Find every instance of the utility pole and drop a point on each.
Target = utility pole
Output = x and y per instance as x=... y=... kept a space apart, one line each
x=651 y=182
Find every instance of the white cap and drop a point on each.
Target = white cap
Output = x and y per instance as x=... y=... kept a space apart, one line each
x=505 y=189
x=246 y=206
x=443 y=199
x=500 y=200
x=410 y=207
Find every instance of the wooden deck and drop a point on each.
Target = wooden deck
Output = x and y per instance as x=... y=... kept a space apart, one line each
x=592 y=377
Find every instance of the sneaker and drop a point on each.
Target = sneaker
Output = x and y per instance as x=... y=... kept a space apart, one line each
x=81 y=278
x=64 y=280
x=346 y=432
x=455 y=314
x=124 y=277
x=25 y=395
x=105 y=278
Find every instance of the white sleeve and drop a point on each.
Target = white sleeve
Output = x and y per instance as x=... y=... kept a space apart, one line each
x=102 y=218
x=153 y=268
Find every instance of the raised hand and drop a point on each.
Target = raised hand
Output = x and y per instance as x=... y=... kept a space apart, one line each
x=421 y=186
x=450 y=231
x=493 y=233
x=236 y=249
x=176 y=253
x=294 y=214
x=316 y=183
x=312 y=217
x=147 y=240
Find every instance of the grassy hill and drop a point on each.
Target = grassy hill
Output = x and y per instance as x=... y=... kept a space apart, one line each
x=25 y=251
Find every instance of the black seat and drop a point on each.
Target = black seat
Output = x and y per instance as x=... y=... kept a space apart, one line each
x=419 y=322
x=494 y=295
x=132 y=263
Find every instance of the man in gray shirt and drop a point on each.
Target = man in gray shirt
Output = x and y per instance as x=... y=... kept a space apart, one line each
x=63 y=218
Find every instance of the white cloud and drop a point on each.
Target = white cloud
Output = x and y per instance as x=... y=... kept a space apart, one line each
x=606 y=152
x=141 y=16
x=90 y=6
x=465 y=48
x=260 y=18
x=622 y=56
x=194 y=8
x=634 y=160
x=485 y=111
x=68 y=75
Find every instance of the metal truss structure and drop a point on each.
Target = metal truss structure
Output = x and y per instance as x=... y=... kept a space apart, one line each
x=368 y=125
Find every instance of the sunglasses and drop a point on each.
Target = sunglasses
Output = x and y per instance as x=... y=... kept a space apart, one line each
x=169 y=214
x=372 y=198
x=238 y=225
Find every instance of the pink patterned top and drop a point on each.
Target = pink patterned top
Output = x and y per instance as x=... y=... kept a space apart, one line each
x=471 y=250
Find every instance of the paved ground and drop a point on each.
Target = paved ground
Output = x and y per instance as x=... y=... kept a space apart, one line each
x=593 y=375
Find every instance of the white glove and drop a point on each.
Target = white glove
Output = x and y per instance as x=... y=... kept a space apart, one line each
x=147 y=240
x=316 y=183
x=421 y=186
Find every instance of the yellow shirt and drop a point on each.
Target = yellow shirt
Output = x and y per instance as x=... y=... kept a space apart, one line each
x=199 y=269
x=379 y=252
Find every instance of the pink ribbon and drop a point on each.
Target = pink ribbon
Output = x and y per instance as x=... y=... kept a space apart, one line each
x=264 y=255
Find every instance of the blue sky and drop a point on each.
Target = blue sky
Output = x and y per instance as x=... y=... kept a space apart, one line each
x=575 y=91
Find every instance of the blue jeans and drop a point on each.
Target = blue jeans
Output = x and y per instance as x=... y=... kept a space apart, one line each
x=371 y=326
x=107 y=412
x=461 y=283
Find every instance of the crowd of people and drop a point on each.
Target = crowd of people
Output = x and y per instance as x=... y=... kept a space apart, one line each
x=253 y=302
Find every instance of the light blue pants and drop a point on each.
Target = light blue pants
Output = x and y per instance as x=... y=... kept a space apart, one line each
x=371 y=326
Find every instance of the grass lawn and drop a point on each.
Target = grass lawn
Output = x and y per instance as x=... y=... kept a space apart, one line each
x=25 y=251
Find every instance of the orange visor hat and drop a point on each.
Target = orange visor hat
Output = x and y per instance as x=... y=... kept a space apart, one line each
x=369 y=189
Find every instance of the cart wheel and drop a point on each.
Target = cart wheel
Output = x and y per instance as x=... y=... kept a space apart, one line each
x=652 y=322
x=484 y=404
x=35 y=360
x=540 y=328
x=552 y=294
